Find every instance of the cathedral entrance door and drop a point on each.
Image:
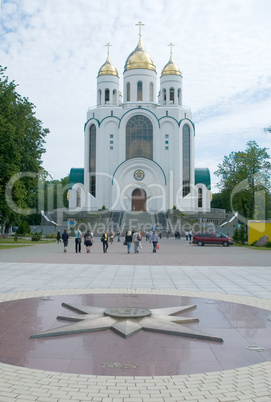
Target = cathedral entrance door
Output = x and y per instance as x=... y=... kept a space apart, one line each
x=139 y=200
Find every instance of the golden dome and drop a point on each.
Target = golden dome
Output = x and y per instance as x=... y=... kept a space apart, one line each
x=139 y=58
x=171 y=68
x=108 y=69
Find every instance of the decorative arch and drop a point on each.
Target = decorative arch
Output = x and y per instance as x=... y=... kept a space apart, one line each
x=139 y=137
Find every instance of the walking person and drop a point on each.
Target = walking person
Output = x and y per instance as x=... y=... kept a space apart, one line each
x=186 y=235
x=154 y=239
x=190 y=235
x=88 y=240
x=78 y=236
x=58 y=236
x=104 y=240
x=136 y=241
x=65 y=238
x=128 y=239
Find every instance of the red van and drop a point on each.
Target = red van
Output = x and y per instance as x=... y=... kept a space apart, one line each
x=202 y=238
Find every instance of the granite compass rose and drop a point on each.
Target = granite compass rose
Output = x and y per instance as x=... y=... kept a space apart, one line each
x=127 y=321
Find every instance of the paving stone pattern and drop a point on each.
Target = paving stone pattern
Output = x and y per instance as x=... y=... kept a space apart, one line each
x=240 y=283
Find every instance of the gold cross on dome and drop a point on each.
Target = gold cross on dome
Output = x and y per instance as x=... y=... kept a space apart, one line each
x=108 y=45
x=171 y=45
x=140 y=25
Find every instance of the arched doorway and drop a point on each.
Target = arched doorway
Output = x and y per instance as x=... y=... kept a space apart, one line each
x=139 y=200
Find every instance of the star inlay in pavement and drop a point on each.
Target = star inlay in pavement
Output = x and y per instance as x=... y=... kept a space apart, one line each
x=127 y=321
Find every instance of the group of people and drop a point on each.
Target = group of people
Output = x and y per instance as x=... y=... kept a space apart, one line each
x=131 y=237
x=88 y=240
x=135 y=237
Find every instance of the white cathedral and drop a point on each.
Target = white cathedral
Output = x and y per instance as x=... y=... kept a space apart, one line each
x=139 y=151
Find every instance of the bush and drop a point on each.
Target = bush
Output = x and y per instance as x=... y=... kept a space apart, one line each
x=36 y=236
x=51 y=236
x=268 y=244
x=23 y=228
x=240 y=235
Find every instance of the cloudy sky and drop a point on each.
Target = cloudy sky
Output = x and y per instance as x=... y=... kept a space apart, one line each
x=54 y=48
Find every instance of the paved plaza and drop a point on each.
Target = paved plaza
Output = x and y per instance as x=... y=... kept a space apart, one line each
x=230 y=274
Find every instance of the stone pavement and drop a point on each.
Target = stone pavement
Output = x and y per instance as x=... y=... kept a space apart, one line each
x=230 y=274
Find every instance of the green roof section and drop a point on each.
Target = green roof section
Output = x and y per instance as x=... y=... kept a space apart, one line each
x=76 y=176
x=202 y=176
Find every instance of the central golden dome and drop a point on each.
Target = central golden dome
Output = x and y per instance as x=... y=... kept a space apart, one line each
x=139 y=58
x=108 y=69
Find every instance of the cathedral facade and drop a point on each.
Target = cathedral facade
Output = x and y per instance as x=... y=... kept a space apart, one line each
x=139 y=151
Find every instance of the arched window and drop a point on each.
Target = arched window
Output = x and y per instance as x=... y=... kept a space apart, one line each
x=186 y=160
x=199 y=197
x=114 y=97
x=139 y=137
x=179 y=96
x=99 y=97
x=151 y=91
x=92 y=160
x=171 y=95
x=78 y=197
x=106 y=96
x=139 y=91
x=164 y=96
x=128 y=96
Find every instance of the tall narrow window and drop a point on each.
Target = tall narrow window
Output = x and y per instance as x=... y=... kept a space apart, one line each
x=139 y=137
x=139 y=91
x=92 y=160
x=78 y=197
x=186 y=160
x=179 y=96
x=106 y=96
x=99 y=97
x=128 y=96
x=199 y=197
x=151 y=91
x=115 y=97
x=164 y=96
x=171 y=95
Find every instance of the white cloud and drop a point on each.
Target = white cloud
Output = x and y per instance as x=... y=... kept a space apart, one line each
x=54 y=49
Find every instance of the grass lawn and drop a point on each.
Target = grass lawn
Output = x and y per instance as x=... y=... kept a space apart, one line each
x=21 y=241
x=252 y=247
x=8 y=246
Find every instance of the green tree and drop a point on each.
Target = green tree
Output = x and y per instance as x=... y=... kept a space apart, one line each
x=22 y=141
x=245 y=181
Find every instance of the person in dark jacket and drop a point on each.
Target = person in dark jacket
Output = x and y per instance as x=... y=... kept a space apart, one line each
x=65 y=237
x=128 y=239
x=104 y=240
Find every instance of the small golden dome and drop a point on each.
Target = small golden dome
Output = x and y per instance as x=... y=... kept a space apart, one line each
x=171 y=68
x=108 y=69
x=139 y=58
